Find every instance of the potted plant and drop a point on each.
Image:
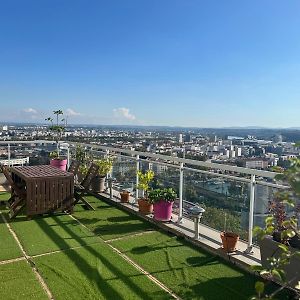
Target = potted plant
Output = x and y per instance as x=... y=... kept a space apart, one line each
x=83 y=157
x=279 y=240
x=57 y=129
x=162 y=200
x=125 y=195
x=145 y=204
x=58 y=161
x=105 y=166
x=229 y=239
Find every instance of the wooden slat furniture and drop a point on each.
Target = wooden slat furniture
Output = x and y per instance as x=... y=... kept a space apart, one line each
x=48 y=189
x=18 y=193
x=74 y=167
x=83 y=188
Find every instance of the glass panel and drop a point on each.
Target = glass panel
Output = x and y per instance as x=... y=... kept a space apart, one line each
x=165 y=177
x=124 y=172
x=226 y=202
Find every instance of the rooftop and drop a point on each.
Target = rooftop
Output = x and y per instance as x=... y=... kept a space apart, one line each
x=109 y=253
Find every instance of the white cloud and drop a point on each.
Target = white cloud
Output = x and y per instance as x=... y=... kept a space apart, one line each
x=30 y=110
x=123 y=113
x=72 y=112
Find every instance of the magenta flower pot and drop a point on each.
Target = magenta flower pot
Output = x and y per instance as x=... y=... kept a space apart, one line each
x=59 y=163
x=163 y=210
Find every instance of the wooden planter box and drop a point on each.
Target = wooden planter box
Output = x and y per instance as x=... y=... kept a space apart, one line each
x=269 y=248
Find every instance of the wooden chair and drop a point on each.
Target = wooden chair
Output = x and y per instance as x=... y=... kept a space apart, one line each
x=82 y=189
x=74 y=167
x=18 y=194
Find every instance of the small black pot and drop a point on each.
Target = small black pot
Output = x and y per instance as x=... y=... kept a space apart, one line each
x=277 y=236
x=98 y=184
x=295 y=242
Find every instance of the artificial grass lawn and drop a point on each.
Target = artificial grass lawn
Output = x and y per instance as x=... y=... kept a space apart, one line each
x=8 y=247
x=19 y=282
x=108 y=221
x=189 y=272
x=46 y=234
x=4 y=196
x=95 y=272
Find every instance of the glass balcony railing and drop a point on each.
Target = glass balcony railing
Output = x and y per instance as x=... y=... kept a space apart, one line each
x=234 y=198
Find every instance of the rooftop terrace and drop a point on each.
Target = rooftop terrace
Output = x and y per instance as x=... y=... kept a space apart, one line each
x=109 y=254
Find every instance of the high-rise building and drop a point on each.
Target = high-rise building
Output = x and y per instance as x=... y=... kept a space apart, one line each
x=188 y=138
x=238 y=151
x=180 y=138
x=232 y=154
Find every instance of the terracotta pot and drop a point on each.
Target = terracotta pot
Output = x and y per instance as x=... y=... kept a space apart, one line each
x=163 y=210
x=59 y=163
x=98 y=184
x=145 y=207
x=125 y=196
x=229 y=241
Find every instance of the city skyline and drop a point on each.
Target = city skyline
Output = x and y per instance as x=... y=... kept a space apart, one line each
x=176 y=63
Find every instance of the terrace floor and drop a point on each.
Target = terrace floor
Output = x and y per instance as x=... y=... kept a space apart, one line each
x=109 y=254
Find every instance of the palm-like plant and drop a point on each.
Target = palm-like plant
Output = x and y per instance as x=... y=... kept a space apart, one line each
x=57 y=129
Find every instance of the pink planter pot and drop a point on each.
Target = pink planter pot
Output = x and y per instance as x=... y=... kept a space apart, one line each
x=59 y=163
x=163 y=210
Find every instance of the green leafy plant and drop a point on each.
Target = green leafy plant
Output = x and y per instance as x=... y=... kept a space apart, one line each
x=54 y=155
x=80 y=154
x=84 y=157
x=144 y=180
x=83 y=169
x=167 y=194
x=282 y=223
x=56 y=129
x=105 y=165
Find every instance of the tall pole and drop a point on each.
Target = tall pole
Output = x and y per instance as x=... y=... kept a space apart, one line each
x=180 y=193
x=137 y=178
x=251 y=215
x=68 y=155
x=108 y=175
x=8 y=154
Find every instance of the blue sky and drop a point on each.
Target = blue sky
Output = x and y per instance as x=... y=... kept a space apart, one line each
x=159 y=62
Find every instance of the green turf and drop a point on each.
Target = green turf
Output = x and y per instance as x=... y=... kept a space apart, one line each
x=189 y=272
x=108 y=221
x=4 y=196
x=17 y=281
x=8 y=247
x=95 y=272
x=46 y=234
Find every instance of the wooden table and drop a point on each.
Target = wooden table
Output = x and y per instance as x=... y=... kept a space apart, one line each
x=48 y=189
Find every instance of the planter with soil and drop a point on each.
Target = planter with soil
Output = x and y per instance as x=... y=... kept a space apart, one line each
x=125 y=195
x=229 y=241
x=145 y=207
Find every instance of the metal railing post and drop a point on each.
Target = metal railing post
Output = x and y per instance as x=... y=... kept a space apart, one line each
x=108 y=175
x=8 y=154
x=68 y=155
x=249 y=249
x=110 y=182
x=180 y=193
x=137 y=178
